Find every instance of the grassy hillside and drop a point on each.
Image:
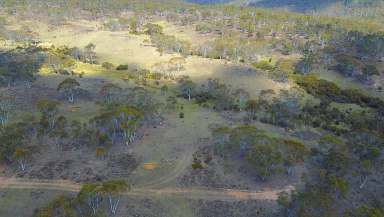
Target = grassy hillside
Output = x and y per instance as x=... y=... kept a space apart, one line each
x=366 y=9
x=166 y=108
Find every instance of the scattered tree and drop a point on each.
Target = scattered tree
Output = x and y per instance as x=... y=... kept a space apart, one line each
x=153 y=29
x=252 y=106
x=20 y=155
x=108 y=65
x=187 y=89
x=6 y=107
x=91 y=194
x=370 y=70
x=69 y=87
x=90 y=53
x=109 y=92
x=49 y=110
x=113 y=189
x=177 y=63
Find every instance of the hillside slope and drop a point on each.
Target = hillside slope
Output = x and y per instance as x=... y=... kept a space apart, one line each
x=300 y=5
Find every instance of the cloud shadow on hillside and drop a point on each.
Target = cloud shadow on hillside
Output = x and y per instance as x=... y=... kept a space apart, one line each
x=295 y=5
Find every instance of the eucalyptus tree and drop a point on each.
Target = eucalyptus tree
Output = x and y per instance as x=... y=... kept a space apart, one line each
x=121 y=122
x=60 y=206
x=21 y=155
x=6 y=107
x=266 y=159
x=153 y=29
x=90 y=53
x=114 y=189
x=177 y=63
x=251 y=108
x=241 y=98
x=164 y=90
x=369 y=71
x=12 y=144
x=49 y=110
x=187 y=89
x=110 y=92
x=69 y=88
x=91 y=195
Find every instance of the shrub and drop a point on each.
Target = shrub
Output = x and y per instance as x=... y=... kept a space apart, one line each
x=107 y=65
x=264 y=65
x=196 y=165
x=122 y=67
x=64 y=72
x=153 y=29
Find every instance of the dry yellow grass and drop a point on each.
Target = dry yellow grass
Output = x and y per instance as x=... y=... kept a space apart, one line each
x=125 y=48
x=115 y=47
x=186 y=33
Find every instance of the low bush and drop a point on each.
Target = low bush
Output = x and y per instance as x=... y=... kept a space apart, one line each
x=122 y=67
x=107 y=65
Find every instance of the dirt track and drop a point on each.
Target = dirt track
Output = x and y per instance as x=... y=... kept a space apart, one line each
x=191 y=193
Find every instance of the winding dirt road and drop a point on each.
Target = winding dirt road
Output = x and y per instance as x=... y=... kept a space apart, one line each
x=190 y=193
x=183 y=162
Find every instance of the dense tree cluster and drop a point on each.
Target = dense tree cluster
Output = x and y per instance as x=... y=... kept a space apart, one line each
x=264 y=154
x=20 y=65
x=329 y=91
x=214 y=93
x=88 y=202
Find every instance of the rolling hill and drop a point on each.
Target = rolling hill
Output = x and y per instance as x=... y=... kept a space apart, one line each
x=297 y=5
